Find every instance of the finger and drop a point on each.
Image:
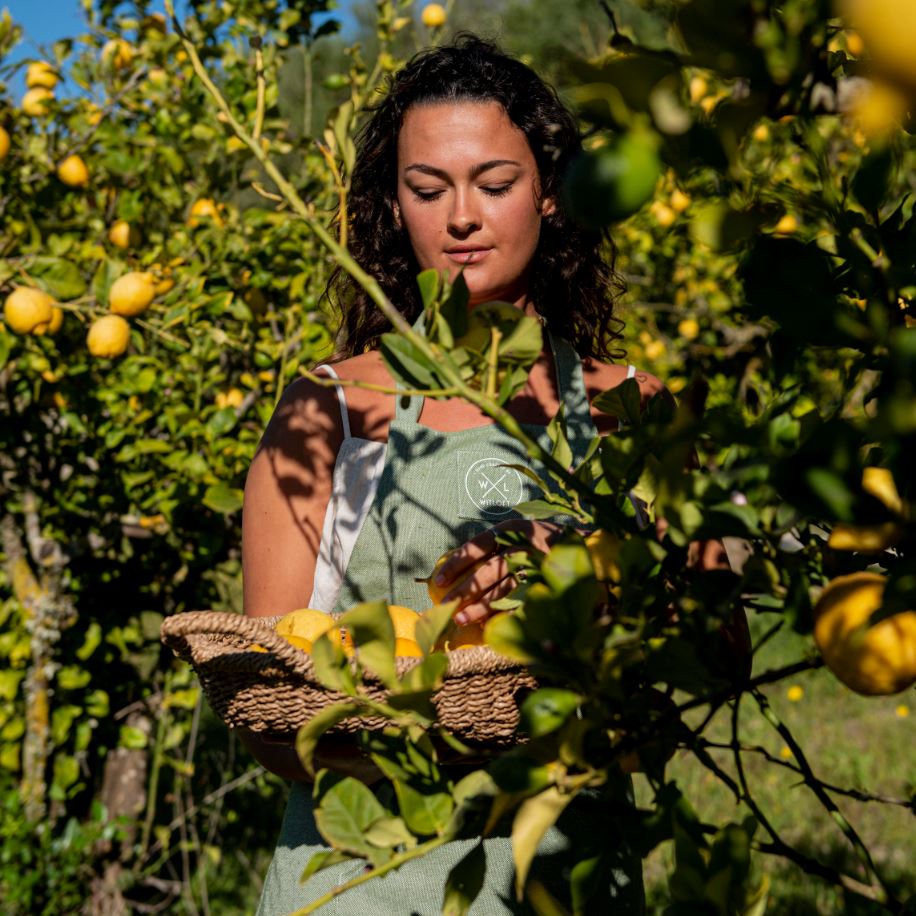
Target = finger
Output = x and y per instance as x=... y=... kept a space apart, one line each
x=473 y=587
x=480 y=610
x=464 y=557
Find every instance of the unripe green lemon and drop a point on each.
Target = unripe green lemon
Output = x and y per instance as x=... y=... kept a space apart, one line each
x=609 y=184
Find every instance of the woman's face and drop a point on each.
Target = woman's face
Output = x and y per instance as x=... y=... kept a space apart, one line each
x=468 y=195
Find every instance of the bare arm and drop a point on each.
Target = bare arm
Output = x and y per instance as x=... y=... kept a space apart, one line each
x=286 y=497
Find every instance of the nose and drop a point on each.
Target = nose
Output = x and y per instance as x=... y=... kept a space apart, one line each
x=463 y=217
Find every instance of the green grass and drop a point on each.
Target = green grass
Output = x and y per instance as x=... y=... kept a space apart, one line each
x=853 y=742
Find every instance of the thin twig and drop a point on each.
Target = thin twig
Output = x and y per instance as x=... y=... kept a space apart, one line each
x=855 y=794
x=816 y=787
x=393 y=863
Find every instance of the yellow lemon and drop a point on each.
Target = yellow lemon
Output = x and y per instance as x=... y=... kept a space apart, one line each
x=117 y=53
x=35 y=102
x=438 y=592
x=132 y=294
x=28 y=310
x=604 y=549
x=73 y=172
x=664 y=215
x=761 y=133
x=404 y=620
x=123 y=235
x=655 y=349
x=407 y=648
x=158 y=77
x=787 y=225
x=872 y=660
x=204 y=209
x=854 y=44
x=888 y=30
x=108 y=336
x=879 y=482
x=433 y=15
x=697 y=89
x=688 y=328
x=307 y=625
x=864 y=538
x=41 y=75
x=679 y=200
x=465 y=637
x=879 y=110
x=4 y=143
x=52 y=326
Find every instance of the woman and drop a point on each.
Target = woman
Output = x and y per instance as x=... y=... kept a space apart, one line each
x=354 y=494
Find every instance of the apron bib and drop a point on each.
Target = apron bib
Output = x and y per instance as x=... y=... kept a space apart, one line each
x=437 y=490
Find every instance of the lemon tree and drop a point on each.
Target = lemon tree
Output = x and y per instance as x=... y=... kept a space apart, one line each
x=165 y=288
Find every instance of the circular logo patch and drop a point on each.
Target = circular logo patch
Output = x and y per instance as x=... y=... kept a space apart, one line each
x=493 y=487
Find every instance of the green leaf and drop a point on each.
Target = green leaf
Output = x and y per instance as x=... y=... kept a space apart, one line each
x=534 y=818
x=454 y=309
x=425 y=812
x=464 y=882
x=546 y=709
x=567 y=564
x=325 y=858
x=425 y=676
x=428 y=281
x=556 y=432
x=344 y=813
x=389 y=833
x=622 y=402
x=62 y=279
x=505 y=634
x=540 y=509
x=433 y=623
x=223 y=499
x=132 y=738
x=407 y=364
x=331 y=666
x=373 y=634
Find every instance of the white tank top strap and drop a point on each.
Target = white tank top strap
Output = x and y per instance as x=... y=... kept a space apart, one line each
x=344 y=416
x=631 y=371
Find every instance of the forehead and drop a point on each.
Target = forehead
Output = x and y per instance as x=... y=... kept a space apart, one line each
x=449 y=133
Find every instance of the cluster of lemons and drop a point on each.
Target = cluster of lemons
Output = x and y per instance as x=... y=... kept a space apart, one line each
x=302 y=627
x=29 y=310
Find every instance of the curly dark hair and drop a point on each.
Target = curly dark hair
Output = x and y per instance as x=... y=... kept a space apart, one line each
x=572 y=283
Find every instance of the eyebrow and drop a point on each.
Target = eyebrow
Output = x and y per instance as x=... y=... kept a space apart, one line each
x=475 y=172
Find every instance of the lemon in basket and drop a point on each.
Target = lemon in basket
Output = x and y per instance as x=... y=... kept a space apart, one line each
x=302 y=627
x=466 y=637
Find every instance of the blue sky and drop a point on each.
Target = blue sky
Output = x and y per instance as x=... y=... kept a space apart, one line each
x=46 y=21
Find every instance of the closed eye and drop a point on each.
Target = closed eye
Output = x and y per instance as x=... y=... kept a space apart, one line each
x=426 y=196
x=497 y=190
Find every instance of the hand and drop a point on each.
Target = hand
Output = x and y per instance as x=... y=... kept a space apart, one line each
x=477 y=574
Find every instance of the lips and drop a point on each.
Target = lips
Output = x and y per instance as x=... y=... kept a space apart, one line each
x=469 y=255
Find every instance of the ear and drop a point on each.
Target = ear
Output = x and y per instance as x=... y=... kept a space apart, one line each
x=548 y=206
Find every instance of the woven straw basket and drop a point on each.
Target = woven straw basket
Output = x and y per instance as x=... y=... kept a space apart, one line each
x=275 y=692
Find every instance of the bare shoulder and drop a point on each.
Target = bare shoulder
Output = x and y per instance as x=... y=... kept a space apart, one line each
x=602 y=376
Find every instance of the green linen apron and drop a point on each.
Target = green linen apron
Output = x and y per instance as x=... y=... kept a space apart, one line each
x=438 y=489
